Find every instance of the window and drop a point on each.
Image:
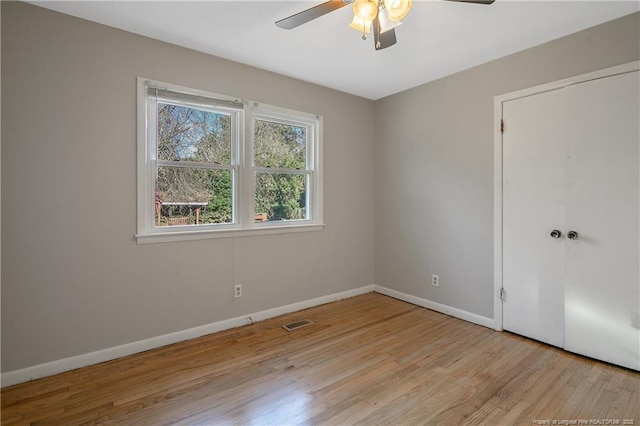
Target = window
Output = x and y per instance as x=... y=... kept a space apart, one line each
x=211 y=165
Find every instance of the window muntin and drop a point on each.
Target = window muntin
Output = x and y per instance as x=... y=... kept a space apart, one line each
x=216 y=172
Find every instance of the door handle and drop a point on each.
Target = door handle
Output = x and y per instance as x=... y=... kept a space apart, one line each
x=556 y=234
x=572 y=235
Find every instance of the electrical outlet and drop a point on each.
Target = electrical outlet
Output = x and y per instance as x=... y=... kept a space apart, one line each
x=237 y=290
x=435 y=281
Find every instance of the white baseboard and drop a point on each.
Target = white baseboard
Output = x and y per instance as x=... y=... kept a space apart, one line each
x=438 y=307
x=59 y=366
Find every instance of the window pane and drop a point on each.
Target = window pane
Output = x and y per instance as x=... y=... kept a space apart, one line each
x=280 y=197
x=190 y=134
x=187 y=196
x=280 y=145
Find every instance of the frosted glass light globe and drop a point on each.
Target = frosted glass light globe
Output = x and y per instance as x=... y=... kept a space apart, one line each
x=365 y=9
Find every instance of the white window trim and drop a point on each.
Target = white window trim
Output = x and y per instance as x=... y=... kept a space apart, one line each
x=242 y=162
x=313 y=124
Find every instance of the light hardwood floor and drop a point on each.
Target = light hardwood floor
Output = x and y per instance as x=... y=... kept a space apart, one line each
x=367 y=360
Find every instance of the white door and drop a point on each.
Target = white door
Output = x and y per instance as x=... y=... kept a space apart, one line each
x=602 y=297
x=571 y=163
x=533 y=207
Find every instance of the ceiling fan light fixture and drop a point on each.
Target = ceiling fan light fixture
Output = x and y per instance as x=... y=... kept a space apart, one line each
x=386 y=24
x=365 y=9
x=360 y=25
x=379 y=17
x=397 y=9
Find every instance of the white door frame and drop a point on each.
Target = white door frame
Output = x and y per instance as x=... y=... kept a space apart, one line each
x=498 y=163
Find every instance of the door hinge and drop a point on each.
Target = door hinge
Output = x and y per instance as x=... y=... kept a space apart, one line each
x=501 y=126
x=503 y=294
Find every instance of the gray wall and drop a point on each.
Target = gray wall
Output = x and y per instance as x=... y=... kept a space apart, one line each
x=75 y=281
x=434 y=165
x=73 y=278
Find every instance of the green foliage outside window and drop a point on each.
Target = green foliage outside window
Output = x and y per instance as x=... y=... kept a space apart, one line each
x=282 y=196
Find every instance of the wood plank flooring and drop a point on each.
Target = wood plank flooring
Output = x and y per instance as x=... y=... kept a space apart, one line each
x=367 y=360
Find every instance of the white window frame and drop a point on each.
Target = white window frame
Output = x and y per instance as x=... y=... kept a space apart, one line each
x=242 y=166
x=312 y=124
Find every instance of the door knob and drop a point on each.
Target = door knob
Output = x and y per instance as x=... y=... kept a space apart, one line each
x=572 y=235
x=556 y=234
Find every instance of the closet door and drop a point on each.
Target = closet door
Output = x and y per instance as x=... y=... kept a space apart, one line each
x=533 y=207
x=602 y=298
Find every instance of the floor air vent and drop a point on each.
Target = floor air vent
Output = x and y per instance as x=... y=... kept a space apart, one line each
x=296 y=325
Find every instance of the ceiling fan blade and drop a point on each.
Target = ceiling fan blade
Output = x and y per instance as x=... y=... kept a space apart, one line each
x=487 y=2
x=382 y=40
x=305 y=16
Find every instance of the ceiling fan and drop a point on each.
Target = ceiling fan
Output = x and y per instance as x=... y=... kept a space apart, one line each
x=381 y=16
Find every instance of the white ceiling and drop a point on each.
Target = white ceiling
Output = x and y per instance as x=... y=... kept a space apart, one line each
x=436 y=39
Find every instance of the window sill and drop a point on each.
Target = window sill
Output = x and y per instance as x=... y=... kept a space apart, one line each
x=167 y=237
